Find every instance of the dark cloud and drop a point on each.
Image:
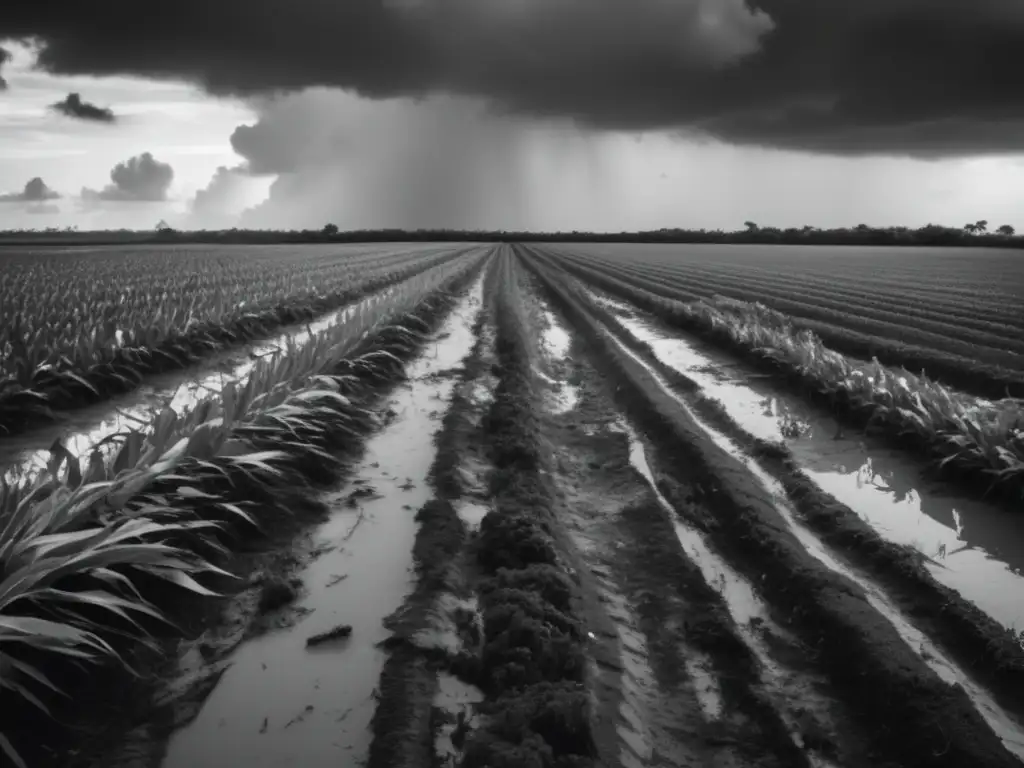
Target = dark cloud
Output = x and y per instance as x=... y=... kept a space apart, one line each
x=295 y=137
x=903 y=76
x=139 y=179
x=35 y=191
x=5 y=56
x=428 y=163
x=73 y=106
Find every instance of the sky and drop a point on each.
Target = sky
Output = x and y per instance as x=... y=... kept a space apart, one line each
x=601 y=115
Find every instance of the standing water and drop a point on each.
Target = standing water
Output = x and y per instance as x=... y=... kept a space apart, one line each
x=970 y=546
x=1002 y=723
x=557 y=342
x=83 y=429
x=281 y=704
x=793 y=695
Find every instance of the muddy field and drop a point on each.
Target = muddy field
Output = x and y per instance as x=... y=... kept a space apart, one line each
x=579 y=538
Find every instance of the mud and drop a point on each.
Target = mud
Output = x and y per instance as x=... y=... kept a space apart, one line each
x=988 y=654
x=89 y=428
x=833 y=616
x=682 y=698
x=557 y=550
x=457 y=712
x=969 y=546
x=80 y=405
x=1006 y=727
x=110 y=740
x=317 y=704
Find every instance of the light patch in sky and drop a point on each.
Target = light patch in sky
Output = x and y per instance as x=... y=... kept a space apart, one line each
x=176 y=122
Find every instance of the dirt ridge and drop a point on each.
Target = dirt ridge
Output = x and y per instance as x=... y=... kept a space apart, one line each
x=978 y=642
x=284 y=513
x=963 y=470
x=899 y=700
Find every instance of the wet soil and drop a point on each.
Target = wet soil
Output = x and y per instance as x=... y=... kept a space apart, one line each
x=79 y=404
x=83 y=429
x=279 y=580
x=706 y=676
x=970 y=546
x=556 y=552
x=944 y=602
x=861 y=642
x=315 y=704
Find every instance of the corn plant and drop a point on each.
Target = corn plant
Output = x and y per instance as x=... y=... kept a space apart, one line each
x=155 y=499
x=961 y=429
x=75 y=328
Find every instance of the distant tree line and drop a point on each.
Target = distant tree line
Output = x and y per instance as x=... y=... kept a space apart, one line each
x=972 y=234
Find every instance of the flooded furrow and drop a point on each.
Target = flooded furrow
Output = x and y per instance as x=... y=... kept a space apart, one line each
x=456 y=703
x=639 y=735
x=562 y=393
x=794 y=694
x=970 y=546
x=182 y=390
x=663 y=686
x=675 y=684
x=283 y=703
x=1002 y=723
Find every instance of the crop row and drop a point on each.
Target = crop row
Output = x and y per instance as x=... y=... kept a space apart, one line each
x=976 y=440
x=884 y=681
x=533 y=664
x=117 y=288
x=958 y=320
x=800 y=302
x=909 y=292
x=961 y=371
x=992 y=276
x=109 y=343
x=84 y=546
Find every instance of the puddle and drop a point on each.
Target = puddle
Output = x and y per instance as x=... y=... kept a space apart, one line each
x=441 y=630
x=457 y=702
x=1006 y=728
x=562 y=394
x=705 y=686
x=183 y=390
x=472 y=513
x=636 y=682
x=556 y=337
x=794 y=695
x=281 y=704
x=481 y=394
x=744 y=604
x=973 y=547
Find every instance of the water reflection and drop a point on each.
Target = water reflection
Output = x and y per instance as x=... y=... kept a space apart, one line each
x=971 y=546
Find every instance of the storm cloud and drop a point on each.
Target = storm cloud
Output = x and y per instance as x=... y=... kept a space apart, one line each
x=927 y=77
x=35 y=191
x=399 y=162
x=73 y=106
x=140 y=179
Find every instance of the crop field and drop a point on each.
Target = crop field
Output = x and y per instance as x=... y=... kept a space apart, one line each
x=957 y=314
x=510 y=505
x=77 y=325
